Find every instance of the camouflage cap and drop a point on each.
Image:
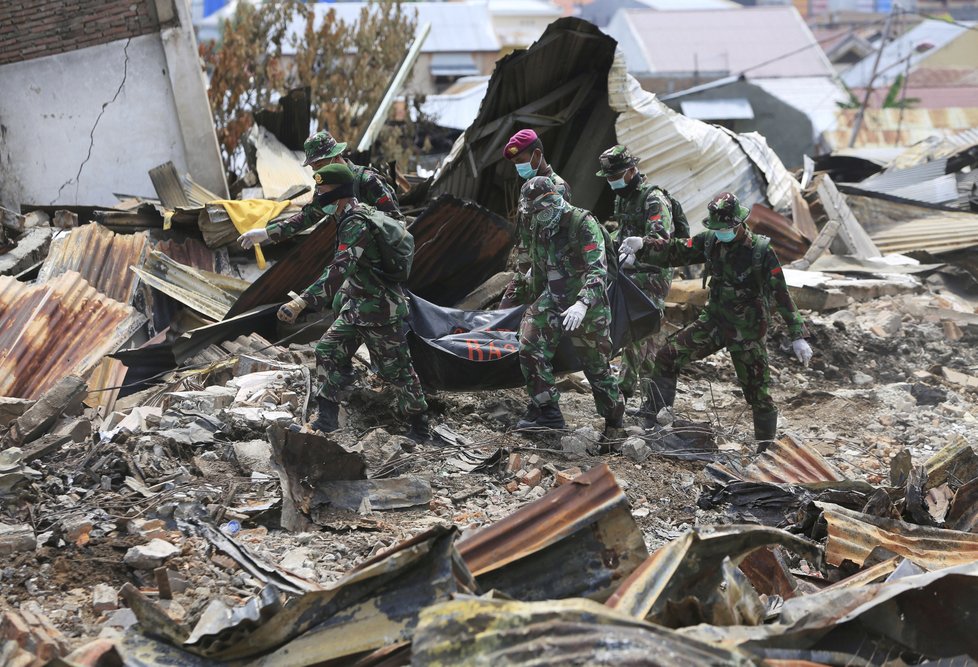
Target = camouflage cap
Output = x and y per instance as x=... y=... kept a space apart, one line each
x=333 y=174
x=615 y=160
x=535 y=191
x=725 y=211
x=322 y=146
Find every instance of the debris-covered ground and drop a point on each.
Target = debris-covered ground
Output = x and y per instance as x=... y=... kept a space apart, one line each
x=86 y=513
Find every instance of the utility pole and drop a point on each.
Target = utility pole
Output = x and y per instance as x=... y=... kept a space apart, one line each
x=858 y=122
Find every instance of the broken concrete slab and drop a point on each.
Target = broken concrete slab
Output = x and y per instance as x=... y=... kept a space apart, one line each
x=151 y=555
x=12 y=408
x=254 y=456
x=35 y=422
x=379 y=494
x=14 y=539
x=31 y=248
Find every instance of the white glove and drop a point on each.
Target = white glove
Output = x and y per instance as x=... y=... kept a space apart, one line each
x=290 y=311
x=802 y=350
x=626 y=261
x=631 y=245
x=574 y=315
x=253 y=236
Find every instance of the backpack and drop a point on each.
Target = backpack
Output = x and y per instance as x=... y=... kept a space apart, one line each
x=679 y=222
x=396 y=246
x=761 y=244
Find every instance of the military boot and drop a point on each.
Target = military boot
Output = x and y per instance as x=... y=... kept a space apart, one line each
x=420 y=427
x=661 y=393
x=614 y=431
x=530 y=416
x=765 y=429
x=549 y=416
x=328 y=419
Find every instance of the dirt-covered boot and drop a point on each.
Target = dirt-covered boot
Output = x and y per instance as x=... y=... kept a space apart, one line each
x=765 y=429
x=614 y=431
x=420 y=427
x=328 y=419
x=661 y=393
x=549 y=416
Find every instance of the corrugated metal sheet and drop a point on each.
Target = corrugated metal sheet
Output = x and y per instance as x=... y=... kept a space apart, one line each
x=189 y=252
x=168 y=187
x=854 y=535
x=210 y=294
x=885 y=128
x=546 y=549
x=900 y=226
x=935 y=148
x=558 y=87
x=104 y=383
x=787 y=242
x=101 y=256
x=693 y=160
x=894 y=179
x=559 y=633
x=792 y=462
x=457 y=245
x=54 y=329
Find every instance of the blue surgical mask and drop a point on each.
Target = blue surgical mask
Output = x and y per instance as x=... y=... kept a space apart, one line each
x=617 y=184
x=526 y=170
x=725 y=235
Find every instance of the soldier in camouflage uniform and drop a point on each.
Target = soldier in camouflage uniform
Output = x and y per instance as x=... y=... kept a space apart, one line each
x=744 y=275
x=525 y=151
x=643 y=210
x=569 y=280
x=370 y=309
x=368 y=187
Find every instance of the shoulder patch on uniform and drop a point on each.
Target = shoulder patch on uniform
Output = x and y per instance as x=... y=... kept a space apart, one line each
x=776 y=270
x=689 y=243
x=342 y=247
x=590 y=246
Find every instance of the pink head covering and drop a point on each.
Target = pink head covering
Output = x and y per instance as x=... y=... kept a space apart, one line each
x=519 y=142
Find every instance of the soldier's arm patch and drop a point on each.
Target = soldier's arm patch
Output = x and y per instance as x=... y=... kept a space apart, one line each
x=383 y=200
x=689 y=243
x=776 y=270
x=590 y=246
x=342 y=247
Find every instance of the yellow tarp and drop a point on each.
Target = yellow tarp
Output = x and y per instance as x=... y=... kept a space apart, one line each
x=248 y=214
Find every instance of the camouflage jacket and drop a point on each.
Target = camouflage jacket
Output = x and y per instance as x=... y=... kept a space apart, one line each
x=739 y=291
x=643 y=210
x=366 y=299
x=368 y=187
x=568 y=260
x=518 y=290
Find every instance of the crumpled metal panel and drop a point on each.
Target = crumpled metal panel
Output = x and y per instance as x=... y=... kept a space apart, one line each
x=54 y=329
x=690 y=567
x=208 y=293
x=579 y=540
x=792 y=462
x=190 y=252
x=885 y=128
x=854 y=535
x=787 y=242
x=470 y=632
x=692 y=160
x=374 y=605
x=901 y=226
x=101 y=256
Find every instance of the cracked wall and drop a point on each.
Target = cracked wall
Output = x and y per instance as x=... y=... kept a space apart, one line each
x=86 y=124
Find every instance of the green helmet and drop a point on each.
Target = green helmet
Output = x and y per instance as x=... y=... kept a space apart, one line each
x=615 y=160
x=726 y=211
x=321 y=146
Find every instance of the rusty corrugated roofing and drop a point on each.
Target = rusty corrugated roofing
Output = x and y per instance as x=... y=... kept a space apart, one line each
x=854 y=535
x=190 y=252
x=54 y=329
x=532 y=554
x=886 y=128
x=793 y=462
x=101 y=256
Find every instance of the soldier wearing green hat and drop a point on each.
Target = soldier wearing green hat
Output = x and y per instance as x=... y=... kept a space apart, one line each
x=641 y=209
x=371 y=308
x=745 y=280
x=369 y=187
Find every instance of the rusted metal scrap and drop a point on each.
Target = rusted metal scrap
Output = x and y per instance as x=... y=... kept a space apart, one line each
x=477 y=631
x=376 y=604
x=853 y=536
x=580 y=540
x=680 y=584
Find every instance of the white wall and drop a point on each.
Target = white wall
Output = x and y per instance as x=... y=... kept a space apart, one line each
x=109 y=110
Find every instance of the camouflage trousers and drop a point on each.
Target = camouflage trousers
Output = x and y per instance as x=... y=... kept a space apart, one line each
x=638 y=358
x=389 y=354
x=704 y=337
x=540 y=332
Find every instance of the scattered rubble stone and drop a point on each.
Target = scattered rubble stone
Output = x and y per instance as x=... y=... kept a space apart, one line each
x=150 y=555
x=636 y=449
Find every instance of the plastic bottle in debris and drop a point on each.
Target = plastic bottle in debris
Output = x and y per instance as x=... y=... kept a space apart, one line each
x=231 y=528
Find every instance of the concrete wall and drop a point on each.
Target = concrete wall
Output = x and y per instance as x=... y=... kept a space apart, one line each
x=78 y=126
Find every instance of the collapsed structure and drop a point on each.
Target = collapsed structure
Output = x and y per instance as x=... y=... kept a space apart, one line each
x=153 y=407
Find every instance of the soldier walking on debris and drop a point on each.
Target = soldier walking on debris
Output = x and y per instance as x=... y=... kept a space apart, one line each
x=569 y=279
x=745 y=276
x=525 y=150
x=644 y=210
x=368 y=187
x=371 y=308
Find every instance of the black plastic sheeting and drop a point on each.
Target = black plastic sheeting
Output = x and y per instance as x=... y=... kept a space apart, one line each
x=458 y=350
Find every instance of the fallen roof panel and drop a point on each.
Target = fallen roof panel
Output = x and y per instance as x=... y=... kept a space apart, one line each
x=545 y=549
x=899 y=226
x=854 y=535
x=101 y=256
x=54 y=329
